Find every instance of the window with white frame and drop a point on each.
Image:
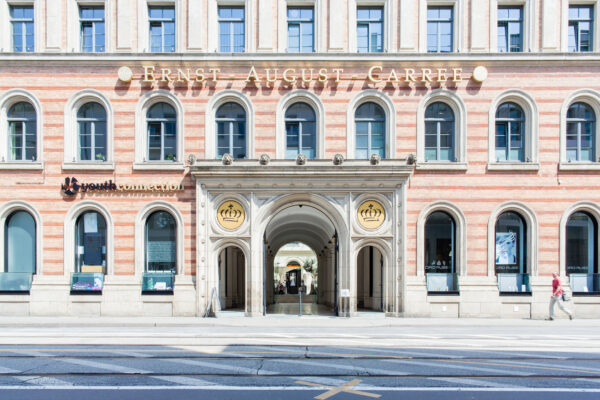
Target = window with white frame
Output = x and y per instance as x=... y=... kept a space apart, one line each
x=161 y=21
x=22 y=132
x=301 y=28
x=161 y=122
x=92 y=31
x=91 y=125
x=439 y=132
x=510 y=132
x=581 y=28
x=510 y=29
x=300 y=128
x=231 y=130
x=370 y=123
x=581 y=133
x=440 y=29
x=21 y=19
x=581 y=244
x=369 y=29
x=232 y=29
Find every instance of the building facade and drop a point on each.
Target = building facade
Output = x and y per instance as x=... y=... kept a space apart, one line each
x=440 y=157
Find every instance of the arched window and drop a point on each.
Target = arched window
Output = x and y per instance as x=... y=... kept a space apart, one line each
x=22 y=132
x=161 y=120
x=370 y=130
x=300 y=130
x=90 y=240
x=582 y=244
x=439 y=132
x=161 y=243
x=440 y=249
x=20 y=242
x=581 y=132
x=511 y=252
x=91 y=125
x=231 y=130
x=510 y=141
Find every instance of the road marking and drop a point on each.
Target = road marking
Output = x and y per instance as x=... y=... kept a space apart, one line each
x=131 y=354
x=589 y=369
x=475 y=382
x=4 y=370
x=42 y=381
x=225 y=367
x=344 y=367
x=503 y=352
x=184 y=380
x=402 y=352
x=304 y=388
x=34 y=353
x=101 y=365
x=434 y=364
x=333 y=390
x=518 y=366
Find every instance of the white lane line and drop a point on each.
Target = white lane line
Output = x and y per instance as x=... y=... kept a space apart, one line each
x=313 y=389
x=101 y=365
x=493 y=337
x=131 y=354
x=43 y=381
x=359 y=370
x=557 y=366
x=514 y=353
x=475 y=382
x=453 y=366
x=225 y=367
x=4 y=370
x=184 y=380
x=276 y=342
x=402 y=352
x=34 y=353
x=408 y=335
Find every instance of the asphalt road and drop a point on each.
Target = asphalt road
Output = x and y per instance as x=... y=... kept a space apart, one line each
x=452 y=360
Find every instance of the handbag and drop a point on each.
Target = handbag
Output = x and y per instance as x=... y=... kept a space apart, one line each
x=565 y=296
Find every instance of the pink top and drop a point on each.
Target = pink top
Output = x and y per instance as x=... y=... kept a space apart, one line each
x=555 y=284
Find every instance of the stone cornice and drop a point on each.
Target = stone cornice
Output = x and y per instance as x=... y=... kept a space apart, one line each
x=133 y=59
x=314 y=174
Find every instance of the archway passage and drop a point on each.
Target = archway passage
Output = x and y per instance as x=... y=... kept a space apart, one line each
x=369 y=280
x=304 y=239
x=232 y=279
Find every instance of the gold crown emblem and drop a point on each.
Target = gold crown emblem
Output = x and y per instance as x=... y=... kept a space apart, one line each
x=231 y=214
x=371 y=214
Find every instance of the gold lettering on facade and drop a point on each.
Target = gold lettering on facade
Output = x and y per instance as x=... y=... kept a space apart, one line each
x=425 y=75
x=165 y=75
x=289 y=79
x=252 y=75
x=214 y=72
x=371 y=76
x=268 y=72
x=323 y=75
x=182 y=77
x=457 y=76
x=200 y=75
x=392 y=77
x=338 y=72
x=149 y=74
x=441 y=75
x=409 y=75
x=304 y=78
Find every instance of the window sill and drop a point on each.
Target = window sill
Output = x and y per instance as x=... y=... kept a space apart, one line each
x=158 y=166
x=518 y=294
x=586 y=294
x=442 y=166
x=35 y=165
x=88 y=166
x=579 y=166
x=513 y=166
x=448 y=293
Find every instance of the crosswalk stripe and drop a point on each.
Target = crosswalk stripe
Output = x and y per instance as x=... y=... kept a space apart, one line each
x=102 y=365
x=184 y=380
x=452 y=366
x=225 y=367
x=475 y=382
x=355 y=369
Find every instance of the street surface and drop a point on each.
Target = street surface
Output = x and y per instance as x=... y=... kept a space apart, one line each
x=298 y=358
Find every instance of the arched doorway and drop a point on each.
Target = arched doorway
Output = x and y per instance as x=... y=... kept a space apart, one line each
x=369 y=279
x=300 y=230
x=232 y=278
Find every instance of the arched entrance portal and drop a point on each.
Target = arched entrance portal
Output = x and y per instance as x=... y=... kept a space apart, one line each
x=369 y=280
x=232 y=278
x=295 y=231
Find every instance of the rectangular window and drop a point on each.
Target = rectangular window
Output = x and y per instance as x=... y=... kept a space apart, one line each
x=300 y=29
x=21 y=19
x=231 y=29
x=369 y=29
x=162 y=29
x=440 y=29
x=92 y=29
x=510 y=29
x=581 y=28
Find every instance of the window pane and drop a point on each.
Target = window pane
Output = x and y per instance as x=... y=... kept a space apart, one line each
x=439 y=243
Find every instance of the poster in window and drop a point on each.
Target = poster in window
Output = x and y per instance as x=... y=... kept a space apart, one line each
x=92 y=244
x=90 y=222
x=506 y=248
x=161 y=251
